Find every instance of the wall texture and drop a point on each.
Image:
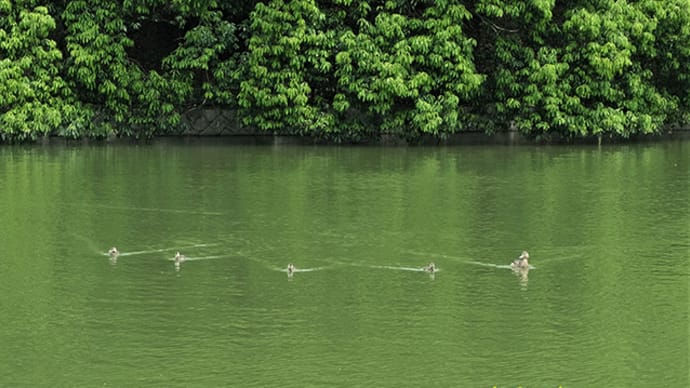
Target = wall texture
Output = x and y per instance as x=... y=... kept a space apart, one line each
x=223 y=122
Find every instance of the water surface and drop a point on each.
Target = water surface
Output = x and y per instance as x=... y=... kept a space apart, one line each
x=606 y=303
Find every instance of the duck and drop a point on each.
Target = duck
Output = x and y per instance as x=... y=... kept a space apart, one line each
x=179 y=259
x=290 y=269
x=431 y=268
x=521 y=262
x=113 y=252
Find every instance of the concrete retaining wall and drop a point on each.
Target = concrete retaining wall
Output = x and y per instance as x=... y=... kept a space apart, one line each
x=224 y=123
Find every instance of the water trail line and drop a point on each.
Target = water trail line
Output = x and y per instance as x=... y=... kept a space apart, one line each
x=89 y=243
x=338 y=263
x=193 y=258
x=263 y=263
x=334 y=262
x=144 y=252
x=270 y=265
x=149 y=209
x=462 y=260
x=492 y=265
x=298 y=270
x=395 y=268
x=432 y=255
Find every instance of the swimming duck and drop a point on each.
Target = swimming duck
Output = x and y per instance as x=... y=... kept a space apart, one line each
x=431 y=268
x=179 y=259
x=113 y=252
x=522 y=261
x=290 y=269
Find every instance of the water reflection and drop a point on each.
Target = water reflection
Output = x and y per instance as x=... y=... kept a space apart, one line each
x=521 y=267
x=523 y=275
x=179 y=259
x=113 y=253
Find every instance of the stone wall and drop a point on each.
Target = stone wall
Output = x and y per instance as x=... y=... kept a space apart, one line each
x=215 y=122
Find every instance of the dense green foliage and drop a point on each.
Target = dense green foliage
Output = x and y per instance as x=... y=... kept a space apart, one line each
x=34 y=99
x=345 y=69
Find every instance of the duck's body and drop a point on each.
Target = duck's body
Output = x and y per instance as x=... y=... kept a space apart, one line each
x=521 y=262
x=179 y=259
x=113 y=252
x=290 y=269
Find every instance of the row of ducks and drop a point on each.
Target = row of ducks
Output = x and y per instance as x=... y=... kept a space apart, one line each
x=522 y=262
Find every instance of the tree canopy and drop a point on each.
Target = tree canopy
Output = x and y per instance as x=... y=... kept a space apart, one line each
x=345 y=70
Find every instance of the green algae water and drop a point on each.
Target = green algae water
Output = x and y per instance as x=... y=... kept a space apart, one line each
x=605 y=304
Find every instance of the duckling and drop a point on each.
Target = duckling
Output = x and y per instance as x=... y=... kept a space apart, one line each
x=522 y=261
x=113 y=252
x=291 y=269
x=179 y=259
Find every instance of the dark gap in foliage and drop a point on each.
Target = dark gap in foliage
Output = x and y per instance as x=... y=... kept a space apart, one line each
x=483 y=51
x=154 y=41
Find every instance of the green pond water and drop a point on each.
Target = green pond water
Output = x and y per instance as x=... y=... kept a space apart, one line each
x=605 y=304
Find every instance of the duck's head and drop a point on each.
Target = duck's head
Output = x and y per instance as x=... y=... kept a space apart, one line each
x=113 y=252
x=524 y=255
